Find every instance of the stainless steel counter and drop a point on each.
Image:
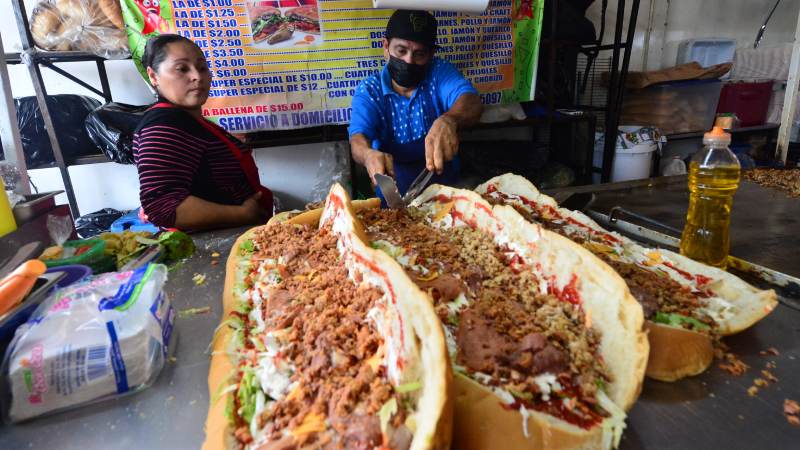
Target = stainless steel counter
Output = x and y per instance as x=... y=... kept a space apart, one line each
x=709 y=411
x=171 y=413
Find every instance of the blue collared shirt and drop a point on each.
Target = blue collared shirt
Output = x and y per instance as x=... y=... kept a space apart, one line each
x=383 y=115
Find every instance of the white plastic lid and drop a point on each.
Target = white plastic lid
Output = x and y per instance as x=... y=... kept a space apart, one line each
x=717 y=135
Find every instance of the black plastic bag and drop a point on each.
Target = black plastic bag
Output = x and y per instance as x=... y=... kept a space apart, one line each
x=68 y=113
x=97 y=222
x=111 y=127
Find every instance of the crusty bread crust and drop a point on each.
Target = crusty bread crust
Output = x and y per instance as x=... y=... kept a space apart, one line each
x=674 y=352
x=480 y=417
x=434 y=405
x=677 y=353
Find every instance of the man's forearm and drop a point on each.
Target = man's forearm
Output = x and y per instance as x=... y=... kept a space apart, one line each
x=466 y=110
x=359 y=147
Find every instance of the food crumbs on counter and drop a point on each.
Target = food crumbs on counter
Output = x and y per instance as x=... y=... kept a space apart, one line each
x=734 y=365
x=769 y=351
x=771 y=365
x=194 y=311
x=712 y=395
x=191 y=403
x=741 y=417
x=170 y=398
x=792 y=412
x=172 y=360
x=215 y=255
x=142 y=415
x=199 y=279
x=214 y=262
x=760 y=382
x=769 y=376
x=752 y=391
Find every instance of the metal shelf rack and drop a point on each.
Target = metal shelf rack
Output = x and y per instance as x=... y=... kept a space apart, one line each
x=34 y=59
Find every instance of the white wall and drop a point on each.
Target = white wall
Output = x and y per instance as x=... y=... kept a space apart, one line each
x=289 y=171
x=677 y=20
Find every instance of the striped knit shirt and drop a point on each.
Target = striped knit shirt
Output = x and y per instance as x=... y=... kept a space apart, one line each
x=177 y=157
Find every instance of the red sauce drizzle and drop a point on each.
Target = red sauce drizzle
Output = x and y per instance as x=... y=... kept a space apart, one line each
x=568 y=293
x=442 y=198
x=373 y=267
x=702 y=279
x=459 y=215
x=556 y=408
x=337 y=202
x=485 y=209
x=591 y=230
x=683 y=273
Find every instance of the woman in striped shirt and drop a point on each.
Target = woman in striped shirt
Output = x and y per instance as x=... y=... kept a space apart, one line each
x=192 y=174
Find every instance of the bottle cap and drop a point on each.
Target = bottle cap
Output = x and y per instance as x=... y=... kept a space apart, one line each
x=717 y=136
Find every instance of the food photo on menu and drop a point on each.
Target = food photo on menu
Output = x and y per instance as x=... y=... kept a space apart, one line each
x=284 y=23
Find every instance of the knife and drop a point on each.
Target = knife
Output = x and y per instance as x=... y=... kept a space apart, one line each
x=390 y=192
x=417 y=186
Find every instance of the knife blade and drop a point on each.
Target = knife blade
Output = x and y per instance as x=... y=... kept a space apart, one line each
x=390 y=192
x=417 y=186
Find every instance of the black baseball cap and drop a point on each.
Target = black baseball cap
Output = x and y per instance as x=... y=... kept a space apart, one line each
x=417 y=26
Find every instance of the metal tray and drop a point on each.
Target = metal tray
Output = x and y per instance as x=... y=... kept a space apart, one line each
x=34 y=206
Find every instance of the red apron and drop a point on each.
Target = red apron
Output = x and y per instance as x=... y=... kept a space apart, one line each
x=245 y=159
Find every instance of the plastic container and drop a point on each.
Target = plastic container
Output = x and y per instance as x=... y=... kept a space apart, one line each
x=92 y=254
x=674 y=107
x=72 y=274
x=631 y=161
x=675 y=166
x=7 y=222
x=708 y=51
x=749 y=101
x=133 y=221
x=713 y=179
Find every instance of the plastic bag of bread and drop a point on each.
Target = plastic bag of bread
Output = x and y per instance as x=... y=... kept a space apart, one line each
x=93 y=26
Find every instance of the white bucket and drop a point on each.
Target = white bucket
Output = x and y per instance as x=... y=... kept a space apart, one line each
x=633 y=163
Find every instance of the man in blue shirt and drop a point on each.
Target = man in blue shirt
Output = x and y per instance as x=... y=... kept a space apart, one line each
x=406 y=118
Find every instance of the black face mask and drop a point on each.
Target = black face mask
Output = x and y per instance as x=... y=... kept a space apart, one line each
x=405 y=74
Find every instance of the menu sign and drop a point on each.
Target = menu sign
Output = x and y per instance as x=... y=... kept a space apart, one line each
x=284 y=64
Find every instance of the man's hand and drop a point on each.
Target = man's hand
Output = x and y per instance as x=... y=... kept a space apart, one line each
x=441 y=143
x=378 y=162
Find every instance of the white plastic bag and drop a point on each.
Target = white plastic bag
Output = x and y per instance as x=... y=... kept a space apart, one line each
x=93 y=26
x=334 y=167
x=89 y=341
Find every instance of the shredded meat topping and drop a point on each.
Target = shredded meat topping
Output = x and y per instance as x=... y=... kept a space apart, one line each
x=507 y=330
x=330 y=339
x=655 y=292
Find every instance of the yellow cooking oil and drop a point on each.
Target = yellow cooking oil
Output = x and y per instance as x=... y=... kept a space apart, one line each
x=713 y=179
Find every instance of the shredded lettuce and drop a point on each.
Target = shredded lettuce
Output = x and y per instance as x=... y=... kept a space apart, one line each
x=258 y=344
x=247 y=247
x=521 y=395
x=388 y=248
x=248 y=390
x=408 y=387
x=229 y=404
x=678 y=320
x=243 y=308
x=386 y=412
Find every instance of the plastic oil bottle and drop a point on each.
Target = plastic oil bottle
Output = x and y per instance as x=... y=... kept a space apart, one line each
x=713 y=180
